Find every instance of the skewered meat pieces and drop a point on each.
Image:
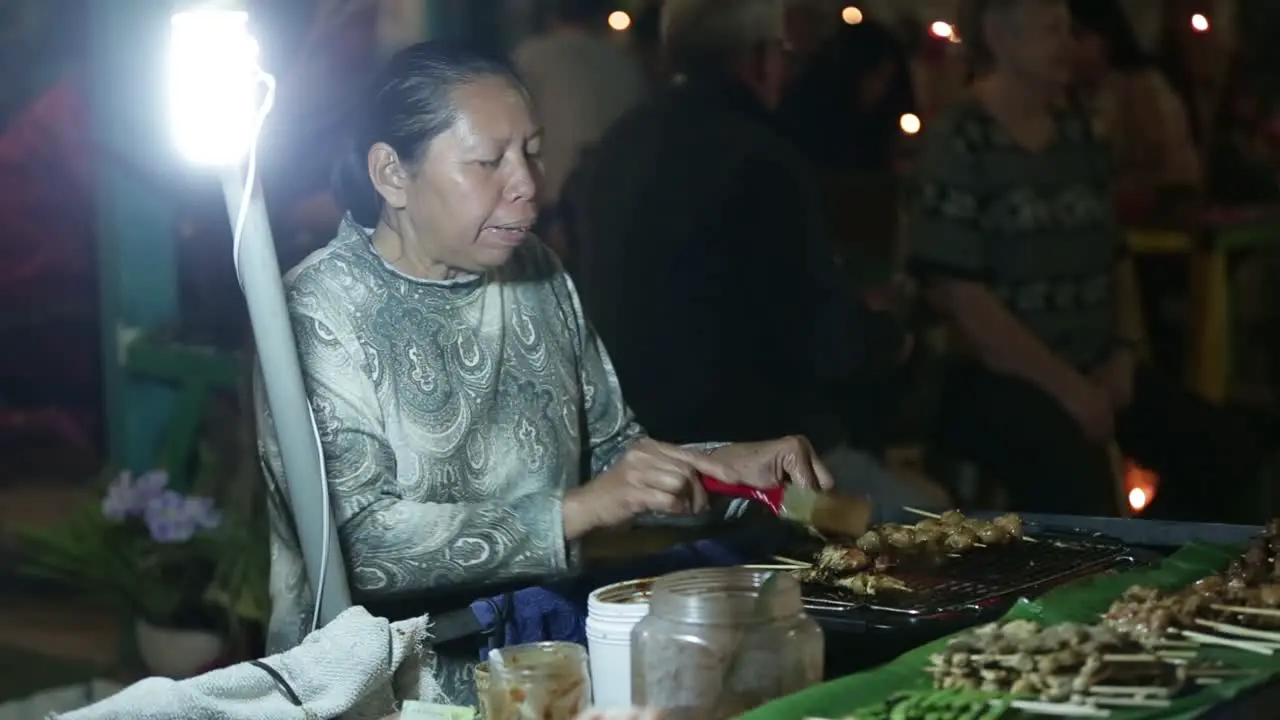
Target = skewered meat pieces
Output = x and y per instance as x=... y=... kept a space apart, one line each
x=960 y=540
x=842 y=559
x=1011 y=523
x=871 y=584
x=871 y=541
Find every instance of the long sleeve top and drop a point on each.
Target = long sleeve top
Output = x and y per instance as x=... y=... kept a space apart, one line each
x=453 y=416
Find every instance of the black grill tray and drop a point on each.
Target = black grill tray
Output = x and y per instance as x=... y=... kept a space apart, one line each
x=980 y=575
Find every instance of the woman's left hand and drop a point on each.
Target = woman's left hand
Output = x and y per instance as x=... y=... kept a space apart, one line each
x=775 y=462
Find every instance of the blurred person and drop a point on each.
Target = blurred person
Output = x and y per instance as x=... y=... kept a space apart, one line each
x=1134 y=108
x=472 y=425
x=708 y=264
x=644 y=40
x=581 y=80
x=1015 y=240
x=844 y=107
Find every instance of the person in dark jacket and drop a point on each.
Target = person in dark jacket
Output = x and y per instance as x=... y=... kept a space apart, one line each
x=705 y=260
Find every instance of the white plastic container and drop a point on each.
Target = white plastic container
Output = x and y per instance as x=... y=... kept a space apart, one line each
x=612 y=611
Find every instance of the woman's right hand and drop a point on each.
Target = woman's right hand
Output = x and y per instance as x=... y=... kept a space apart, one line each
x=651 y=476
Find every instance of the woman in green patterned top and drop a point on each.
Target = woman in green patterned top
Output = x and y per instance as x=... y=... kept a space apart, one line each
x=1015 y=238
x=472 y=425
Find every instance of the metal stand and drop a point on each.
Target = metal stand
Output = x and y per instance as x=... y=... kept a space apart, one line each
x=287 y=397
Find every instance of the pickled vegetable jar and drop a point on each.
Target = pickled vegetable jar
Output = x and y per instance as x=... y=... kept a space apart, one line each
x=720 y=641
x=538 y=681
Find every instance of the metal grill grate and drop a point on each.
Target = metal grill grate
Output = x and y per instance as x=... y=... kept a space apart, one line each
x=983 y=574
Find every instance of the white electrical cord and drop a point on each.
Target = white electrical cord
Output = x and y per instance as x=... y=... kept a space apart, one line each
x=250 y=182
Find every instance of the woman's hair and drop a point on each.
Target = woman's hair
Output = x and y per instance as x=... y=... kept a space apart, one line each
x=409 y=103
x=821 y=112
x=1109 y=21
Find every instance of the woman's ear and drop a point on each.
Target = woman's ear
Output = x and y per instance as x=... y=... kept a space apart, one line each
x=389 y=175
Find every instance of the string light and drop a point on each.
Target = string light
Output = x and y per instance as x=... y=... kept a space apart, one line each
x=941 y=29
x=851 y=15
x=619 y=20
x=1199 y=23
x=909 y=123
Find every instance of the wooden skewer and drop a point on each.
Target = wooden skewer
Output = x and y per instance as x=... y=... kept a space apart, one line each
x=773 y=567
x=1175 y=644
x=1129 y=690
x=1245 y=610
x=1219 y=672
x=1059 y=709
x=1130 y=702
x=792 y=561
x=1272 y=637
x=935 y=516
x=1226 y=642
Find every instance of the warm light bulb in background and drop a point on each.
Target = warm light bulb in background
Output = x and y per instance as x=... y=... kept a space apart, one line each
x=619 y=20
x=214 y=85
x=941 y=29
x=851 y=15
x=1141 y=485
x=910 y=123
x=1199 y=23
x=1138 y=499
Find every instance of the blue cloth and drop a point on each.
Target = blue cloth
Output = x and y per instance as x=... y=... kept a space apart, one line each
x=558 y=611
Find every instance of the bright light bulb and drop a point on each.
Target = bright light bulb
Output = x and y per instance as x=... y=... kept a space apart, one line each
x=1138 y=499
x=851 y=15
x=941 y=29
x=214 y=81
x=910 y=123
x=1199 y=23
x=619 y=20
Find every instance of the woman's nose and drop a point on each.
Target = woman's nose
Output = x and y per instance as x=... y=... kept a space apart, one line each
x=523 y=184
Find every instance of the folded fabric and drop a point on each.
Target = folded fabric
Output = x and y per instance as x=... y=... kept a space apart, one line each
x=558 y=611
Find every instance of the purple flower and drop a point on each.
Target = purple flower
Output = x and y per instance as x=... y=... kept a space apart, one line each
x=173 y=518
x=127 y=497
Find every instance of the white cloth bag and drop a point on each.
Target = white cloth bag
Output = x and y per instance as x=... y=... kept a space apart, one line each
x=358 y=667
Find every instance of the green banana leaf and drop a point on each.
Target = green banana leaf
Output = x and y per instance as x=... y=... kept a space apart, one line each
x=1081 y=601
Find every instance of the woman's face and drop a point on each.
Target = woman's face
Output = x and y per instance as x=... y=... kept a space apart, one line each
x=1033 y=39
x=473 y=197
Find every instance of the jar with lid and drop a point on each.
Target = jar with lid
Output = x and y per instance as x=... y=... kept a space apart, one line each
x=714 y=646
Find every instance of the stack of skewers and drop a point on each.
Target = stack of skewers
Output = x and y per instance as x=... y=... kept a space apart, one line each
x=1068 y=663
x=1239 y=608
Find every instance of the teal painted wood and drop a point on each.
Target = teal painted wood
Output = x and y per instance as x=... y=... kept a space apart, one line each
x=136 y=253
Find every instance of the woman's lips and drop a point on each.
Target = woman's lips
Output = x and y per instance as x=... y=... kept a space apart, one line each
x=509 y=235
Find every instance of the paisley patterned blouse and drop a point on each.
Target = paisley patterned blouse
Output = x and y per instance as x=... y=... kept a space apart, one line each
x=453 y=416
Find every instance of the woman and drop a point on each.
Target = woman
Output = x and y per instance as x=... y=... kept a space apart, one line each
x=472 y=425
x=1016 y=241
x=1132 y=103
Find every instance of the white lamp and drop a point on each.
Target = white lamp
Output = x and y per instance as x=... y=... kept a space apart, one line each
x=220 y=97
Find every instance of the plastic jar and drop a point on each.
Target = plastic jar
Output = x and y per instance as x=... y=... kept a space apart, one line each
x=612 y=612
x=538 y=681
x=709 y=650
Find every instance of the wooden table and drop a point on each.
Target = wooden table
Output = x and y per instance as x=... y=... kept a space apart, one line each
x=1209 y=243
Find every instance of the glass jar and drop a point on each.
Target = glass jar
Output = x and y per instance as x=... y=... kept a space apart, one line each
x=482 y=691
x=538 y=681
x=710 y=648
